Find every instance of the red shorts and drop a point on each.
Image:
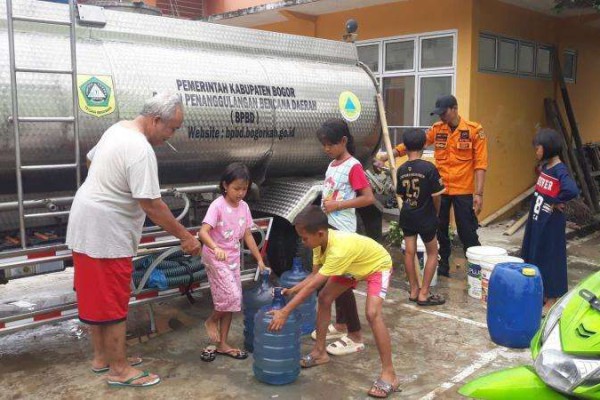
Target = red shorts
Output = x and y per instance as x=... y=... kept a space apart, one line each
x=103 y=287
x=377 y=283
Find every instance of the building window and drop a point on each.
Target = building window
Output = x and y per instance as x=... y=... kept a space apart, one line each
x=432 y=87
x=516 y=57
x=507 y=55
x=370 y=56
x=417 y=69
x=526 y=58
x=400 y=56
x=487 y=53
x=437 y=52
x=544 y=61
x=570 y=65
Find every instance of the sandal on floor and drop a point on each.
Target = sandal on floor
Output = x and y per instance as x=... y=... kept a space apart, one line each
x=208 y=354
x=129 y=382
x=309 y=361
x=345 y=346
x=332 y=333
x=234 y=353
x=432 y=300
x=381 y=389
x=133 y=363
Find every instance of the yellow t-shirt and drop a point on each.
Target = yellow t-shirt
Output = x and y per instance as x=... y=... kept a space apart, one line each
x=351 y=255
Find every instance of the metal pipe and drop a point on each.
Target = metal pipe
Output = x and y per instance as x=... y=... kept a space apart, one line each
x=74 y=95
x=12 y=205
x=183 y=213
x=15 y=112
x=142 y=252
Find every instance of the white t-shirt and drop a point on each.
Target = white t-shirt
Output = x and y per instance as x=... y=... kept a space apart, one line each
x=106 y=218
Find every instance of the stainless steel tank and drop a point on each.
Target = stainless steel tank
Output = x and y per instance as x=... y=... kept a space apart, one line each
x=251 y=96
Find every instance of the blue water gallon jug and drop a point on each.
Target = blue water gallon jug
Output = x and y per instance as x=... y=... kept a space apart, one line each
x=254 y=298
x=515 y=300
x=276 y=354
x=308 y=309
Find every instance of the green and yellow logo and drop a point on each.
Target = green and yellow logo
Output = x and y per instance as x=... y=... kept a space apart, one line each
x=349 y=106
x=96 y=94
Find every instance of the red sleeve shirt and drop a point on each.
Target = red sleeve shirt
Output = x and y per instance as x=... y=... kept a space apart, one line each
x=358 y=179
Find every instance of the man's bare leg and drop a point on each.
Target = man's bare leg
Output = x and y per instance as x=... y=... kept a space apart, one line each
x=116 y=353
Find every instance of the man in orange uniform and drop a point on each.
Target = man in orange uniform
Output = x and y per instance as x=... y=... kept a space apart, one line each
x=461 y=158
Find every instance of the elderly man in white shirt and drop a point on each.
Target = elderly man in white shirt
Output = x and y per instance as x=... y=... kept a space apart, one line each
x=105 y=227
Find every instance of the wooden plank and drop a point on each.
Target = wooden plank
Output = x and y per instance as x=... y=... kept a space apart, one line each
x=388 y=146
x=577 y=138
x=517 y=225
x=491 y=218
x=557 y=122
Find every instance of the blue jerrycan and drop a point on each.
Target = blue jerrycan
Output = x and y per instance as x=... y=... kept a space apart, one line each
x=254 y=298
x=308 y=309
x=515 y=299
x=276 y=354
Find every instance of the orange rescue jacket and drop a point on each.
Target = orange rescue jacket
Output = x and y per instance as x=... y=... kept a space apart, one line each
x=457 y=154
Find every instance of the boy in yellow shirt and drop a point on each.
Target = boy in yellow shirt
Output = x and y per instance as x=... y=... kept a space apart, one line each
x=341 y=259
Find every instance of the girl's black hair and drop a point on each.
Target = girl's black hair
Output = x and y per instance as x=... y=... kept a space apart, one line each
x=550 y=141
x=333 y=130
x=232 y=172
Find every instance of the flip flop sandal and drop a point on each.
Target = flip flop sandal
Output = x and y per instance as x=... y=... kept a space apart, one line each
x=309 y=361
x=332 y=333
x=413 y=299
x=432 y=300
x=208 y=354
x=234 y=353
x=129 y=382
x=102 y=370
x=383 y=387
x=345 y=346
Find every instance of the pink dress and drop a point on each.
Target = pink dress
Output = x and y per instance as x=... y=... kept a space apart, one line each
x=228 y=227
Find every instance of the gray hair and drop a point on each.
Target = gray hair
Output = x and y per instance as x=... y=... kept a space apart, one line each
x=163 y=105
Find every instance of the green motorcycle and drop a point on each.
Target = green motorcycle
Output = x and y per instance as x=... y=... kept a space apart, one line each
x=565 y=351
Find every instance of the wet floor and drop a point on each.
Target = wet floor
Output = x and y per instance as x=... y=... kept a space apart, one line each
x=435 y=350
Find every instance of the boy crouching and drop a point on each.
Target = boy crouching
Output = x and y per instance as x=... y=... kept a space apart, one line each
x=341 y=260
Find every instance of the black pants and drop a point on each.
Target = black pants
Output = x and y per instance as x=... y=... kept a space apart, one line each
x=346 y=311
x=466 y=223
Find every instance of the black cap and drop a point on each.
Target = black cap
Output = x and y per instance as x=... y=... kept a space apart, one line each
x=443 y=103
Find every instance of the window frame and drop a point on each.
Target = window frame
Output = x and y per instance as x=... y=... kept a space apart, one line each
x=495 y=39
x=551 y=61
x=417 y=71
x=436 y=36
x=371 y=43
x=418 y=89
x=515 y=53
x=573 y=53
x=534 y=61
x=384 y=55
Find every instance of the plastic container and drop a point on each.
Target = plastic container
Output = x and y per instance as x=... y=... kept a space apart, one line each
x=420 y=260
x=254 y=298
x=276 y=354
x=475 y=255
x=308 y=309
x=515 y=300
x=487 y=266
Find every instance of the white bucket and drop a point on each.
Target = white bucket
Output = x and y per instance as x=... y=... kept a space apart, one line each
x=487 y=267
x=420 y=260
x=475 y=255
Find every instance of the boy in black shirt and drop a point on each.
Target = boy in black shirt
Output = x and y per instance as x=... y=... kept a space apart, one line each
x=420 y=186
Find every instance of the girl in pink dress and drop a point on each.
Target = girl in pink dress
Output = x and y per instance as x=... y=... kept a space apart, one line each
x=227 y=222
